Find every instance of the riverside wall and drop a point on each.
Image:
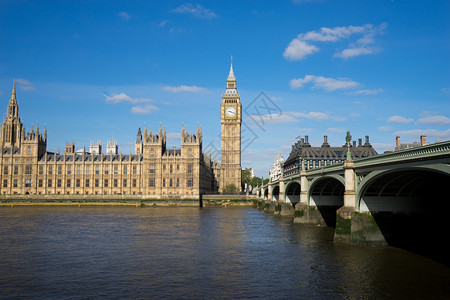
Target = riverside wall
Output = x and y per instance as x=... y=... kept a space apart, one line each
x=128 y=200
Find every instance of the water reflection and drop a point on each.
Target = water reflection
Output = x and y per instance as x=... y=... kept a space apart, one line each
x=120 y=252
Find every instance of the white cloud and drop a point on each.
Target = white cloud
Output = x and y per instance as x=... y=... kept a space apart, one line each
x=337 y=130
x=295 y=116
x=434 y=120
x=441 y=134
x=163 y=23
x=361 y=47
x=384 y=128
x=352 y=52
x=399 y=119
x=365 y=92
x=301 y=46
x=341 y=118
x=124 y=15
x=274 y=118
x=320 y=82
x=298 y=50
x=335 y=34
x=195 y=10
x=306 y=130
x=318 y=116
x=143 y=109
x=185 y=88
x=24 y=84
x=122 y=97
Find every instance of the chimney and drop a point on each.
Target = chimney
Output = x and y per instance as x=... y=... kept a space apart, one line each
x=360 y=142
x=423 y=140
x=325 y=141
x=397 y=141
x=306 y=142
x=367 y=143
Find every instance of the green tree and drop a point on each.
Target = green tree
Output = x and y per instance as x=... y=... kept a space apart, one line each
x=246 y=176
x=230 y=189
x=257 y=181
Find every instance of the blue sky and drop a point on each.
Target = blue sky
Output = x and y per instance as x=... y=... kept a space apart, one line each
x=99 y=70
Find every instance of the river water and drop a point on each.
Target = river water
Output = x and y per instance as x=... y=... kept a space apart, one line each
x=203 y=253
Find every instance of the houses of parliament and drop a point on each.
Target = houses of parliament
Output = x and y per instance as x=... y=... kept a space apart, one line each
x=153 y=171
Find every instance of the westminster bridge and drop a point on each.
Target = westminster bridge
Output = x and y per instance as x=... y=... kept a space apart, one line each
x=400 y=198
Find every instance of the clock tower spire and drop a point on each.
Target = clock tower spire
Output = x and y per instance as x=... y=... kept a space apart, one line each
x=230 y=119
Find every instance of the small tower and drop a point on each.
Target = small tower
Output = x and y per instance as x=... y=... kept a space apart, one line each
x=112 y=147
x=153 y=144
x=138 y=143
x=69 y=148
x=12 y=127
x=95 y=148
x=191 y=144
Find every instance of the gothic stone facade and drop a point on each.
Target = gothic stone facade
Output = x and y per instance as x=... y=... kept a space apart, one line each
x=154 y=171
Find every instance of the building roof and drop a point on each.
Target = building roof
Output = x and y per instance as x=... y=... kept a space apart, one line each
x=408 y=146
x=90 y=157
x=9 y=151
x=304 y=150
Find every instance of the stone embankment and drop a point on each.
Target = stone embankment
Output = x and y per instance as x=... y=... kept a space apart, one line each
x=277 y=208
x=128 y=200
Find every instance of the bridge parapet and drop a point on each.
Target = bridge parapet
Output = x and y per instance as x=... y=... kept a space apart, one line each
x=436 y=150
x=423 y=152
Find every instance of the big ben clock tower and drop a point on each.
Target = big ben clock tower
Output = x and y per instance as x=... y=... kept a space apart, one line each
x=230 y=119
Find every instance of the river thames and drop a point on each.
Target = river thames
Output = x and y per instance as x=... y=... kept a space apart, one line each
x=202 y=253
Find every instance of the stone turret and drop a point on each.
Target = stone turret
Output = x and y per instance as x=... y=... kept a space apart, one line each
x=191 y=144
x=112 y=147
x=12 y=127
x=69 y=148
x=153 y=144
x=95 y=148
x=139 y=143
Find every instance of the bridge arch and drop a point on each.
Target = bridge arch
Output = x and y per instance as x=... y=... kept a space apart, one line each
x=410 y=207
x=381 y=183
x=266 y=193
x=276 y=192
x=327 y=194
x=292 y=192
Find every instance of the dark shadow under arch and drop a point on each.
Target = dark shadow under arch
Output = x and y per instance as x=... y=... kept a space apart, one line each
x=412 y=210
x=276 y=193
x=293 y=193
x=328 y=195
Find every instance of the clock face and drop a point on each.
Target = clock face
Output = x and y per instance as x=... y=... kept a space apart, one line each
x=230 y=111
